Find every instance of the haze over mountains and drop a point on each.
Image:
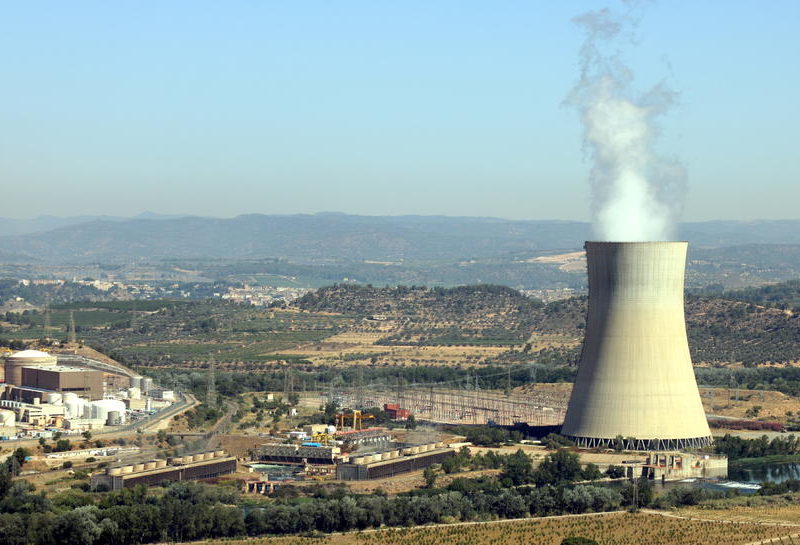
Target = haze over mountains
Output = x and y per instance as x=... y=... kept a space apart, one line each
x=331 y=237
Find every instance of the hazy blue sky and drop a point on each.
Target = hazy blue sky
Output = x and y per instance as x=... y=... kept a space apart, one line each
x=376 y=107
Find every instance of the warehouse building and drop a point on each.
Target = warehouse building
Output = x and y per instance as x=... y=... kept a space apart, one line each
x=63 y=378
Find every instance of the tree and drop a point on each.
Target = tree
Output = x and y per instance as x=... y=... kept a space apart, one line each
x=78 y=526
x=20 y=454
x=638 y=494
x=5 y=480
x=562 y=466
x=575 y=540
x=591 y=473
x=430 y=475
x=62 y=445
x=615 y=472
x=87 y=435
x=13 y=529
x=519 y=469
x=411 y=423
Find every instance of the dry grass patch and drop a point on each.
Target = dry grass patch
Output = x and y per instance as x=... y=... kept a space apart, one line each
x=773 y=405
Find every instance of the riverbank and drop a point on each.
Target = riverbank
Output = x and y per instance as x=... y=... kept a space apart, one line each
x=762 y=460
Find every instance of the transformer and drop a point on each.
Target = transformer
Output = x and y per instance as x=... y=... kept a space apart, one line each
x=635 y=377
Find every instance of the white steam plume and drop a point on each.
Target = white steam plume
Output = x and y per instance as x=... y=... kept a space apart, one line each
x=636 y=194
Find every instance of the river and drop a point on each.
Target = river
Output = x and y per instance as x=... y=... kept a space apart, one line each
x=770 y=472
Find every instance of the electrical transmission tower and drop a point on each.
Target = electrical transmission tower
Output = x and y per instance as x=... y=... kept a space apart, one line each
x=72 y=336
x=46 y=325
x=211 y=387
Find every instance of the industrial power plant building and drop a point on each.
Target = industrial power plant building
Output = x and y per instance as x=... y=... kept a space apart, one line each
x=25 y=358
x=391 y=462
x=635 y=378
x=205 y=465
x=61 y=378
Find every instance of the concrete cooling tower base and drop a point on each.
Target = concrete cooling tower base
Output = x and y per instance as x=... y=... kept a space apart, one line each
x=635 y=380
x=631 y=443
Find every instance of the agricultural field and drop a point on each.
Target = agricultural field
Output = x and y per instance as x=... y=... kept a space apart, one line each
x=362 y=348
x=774 y=509
x=613 y=528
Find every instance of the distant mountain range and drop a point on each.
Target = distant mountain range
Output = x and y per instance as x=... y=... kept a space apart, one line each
x=330 y=237
x=41 y=224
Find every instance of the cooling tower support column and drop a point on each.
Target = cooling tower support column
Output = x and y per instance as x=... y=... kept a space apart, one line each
x=635 y=377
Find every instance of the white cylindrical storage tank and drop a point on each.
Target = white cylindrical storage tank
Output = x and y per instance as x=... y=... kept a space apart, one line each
x=635 y=377
x=406 y=451
x=161 y=463
x=136 y=382
x=101 y=408
x=147 y=384
x=177 y=461
x=331 y=430
x=219 y=453
x=138 y=467
x=188 y=459
x=134 y=393
x=7 y=418
x=127 y=469
x=72 y=409
x=69 y=396
x=149 y=465
x=114 y=418
x=54 y=398
x=114 y=471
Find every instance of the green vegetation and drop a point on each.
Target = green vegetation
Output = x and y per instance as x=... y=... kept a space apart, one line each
x=436 y=316
x=487 y=436
x=315 y=378
x=737 y=448
x=785 y=295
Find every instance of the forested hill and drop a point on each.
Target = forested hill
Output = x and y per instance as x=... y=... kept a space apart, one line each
x=408 y=302
x=483 y=314
x=785 y=295
x=720 y=329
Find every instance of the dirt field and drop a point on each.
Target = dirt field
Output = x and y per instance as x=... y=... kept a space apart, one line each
x=573 y=261
x=774 y=405
x=613 y=528
x=539 y=342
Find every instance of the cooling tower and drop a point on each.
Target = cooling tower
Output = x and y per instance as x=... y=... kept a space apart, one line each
x=635 y=376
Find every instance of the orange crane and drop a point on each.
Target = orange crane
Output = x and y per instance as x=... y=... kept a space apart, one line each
x=357 y=417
